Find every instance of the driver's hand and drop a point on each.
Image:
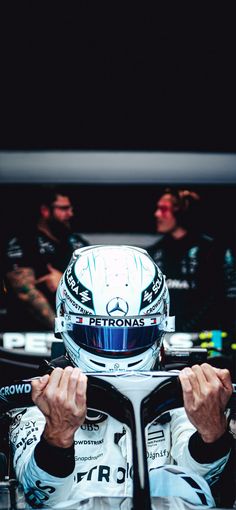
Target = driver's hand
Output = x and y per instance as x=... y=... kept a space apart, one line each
x=62 y=399
x=206 y=391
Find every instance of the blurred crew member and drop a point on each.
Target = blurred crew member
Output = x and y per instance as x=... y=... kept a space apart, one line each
x=192 y=261
x=35 y=261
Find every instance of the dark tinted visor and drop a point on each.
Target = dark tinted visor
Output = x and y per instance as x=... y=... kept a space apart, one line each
x=114 y=339
x=112 y=334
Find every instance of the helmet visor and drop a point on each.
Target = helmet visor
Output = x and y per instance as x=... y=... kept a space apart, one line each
x=115 y=334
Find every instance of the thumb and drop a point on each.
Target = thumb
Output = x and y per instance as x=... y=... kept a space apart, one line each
x=38 y=386
x=224 y=376
x=42 y=279
x=50 y=268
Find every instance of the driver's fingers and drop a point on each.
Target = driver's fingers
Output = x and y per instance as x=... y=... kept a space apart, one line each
x=81 y=390
x=54 y=382
x=219 y=381
x=38 y=386
x=72 y=387
x=189 y=380
x=201 y=377
x=74 y=381
x=64 y=381
x=224 y=375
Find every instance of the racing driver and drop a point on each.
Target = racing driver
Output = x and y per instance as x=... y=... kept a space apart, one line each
x=112 y=311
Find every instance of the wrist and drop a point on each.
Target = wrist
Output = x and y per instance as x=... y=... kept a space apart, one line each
x=214 y=435
x=211 y=438
x=59 y=439
x=205 y=453
x=56 y=461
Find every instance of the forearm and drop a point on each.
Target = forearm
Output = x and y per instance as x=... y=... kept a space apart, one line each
x=40 y=308
x=55 y=460
x=210 y=452
x=45 y=475
x=191 y=453
x=203 y=464
x=22 y=282
x=42 y=487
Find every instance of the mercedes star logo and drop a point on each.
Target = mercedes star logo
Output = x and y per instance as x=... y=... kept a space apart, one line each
x=117 y=306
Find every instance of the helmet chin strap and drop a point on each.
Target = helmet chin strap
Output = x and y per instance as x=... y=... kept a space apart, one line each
x=89 y=362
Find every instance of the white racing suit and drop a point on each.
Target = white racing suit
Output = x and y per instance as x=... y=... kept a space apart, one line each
x=100 y=463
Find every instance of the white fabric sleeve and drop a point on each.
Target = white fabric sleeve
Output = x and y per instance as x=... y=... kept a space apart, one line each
x=182 y=430
x=40 y=487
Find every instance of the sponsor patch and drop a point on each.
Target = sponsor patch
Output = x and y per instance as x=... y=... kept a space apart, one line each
x=150 y=293
x=77 y=289
x=115 y=322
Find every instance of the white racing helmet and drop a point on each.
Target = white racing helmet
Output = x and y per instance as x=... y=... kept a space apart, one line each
x=112 y=309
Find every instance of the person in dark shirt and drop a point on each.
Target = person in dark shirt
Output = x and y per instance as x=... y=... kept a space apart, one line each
x=35 y=261
x=193 y=261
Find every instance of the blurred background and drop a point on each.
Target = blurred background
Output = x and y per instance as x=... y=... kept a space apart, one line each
x=117 y=77
x=115 y=103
